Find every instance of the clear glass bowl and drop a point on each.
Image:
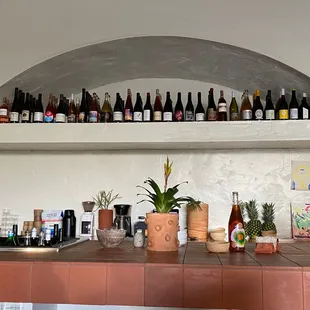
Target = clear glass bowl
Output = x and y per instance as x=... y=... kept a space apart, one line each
x=111 y=238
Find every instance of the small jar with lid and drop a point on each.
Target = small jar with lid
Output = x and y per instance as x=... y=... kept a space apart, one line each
x=138 y=240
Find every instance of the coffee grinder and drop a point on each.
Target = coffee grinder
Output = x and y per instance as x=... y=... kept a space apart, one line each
x=87 y=219
x=122 y=219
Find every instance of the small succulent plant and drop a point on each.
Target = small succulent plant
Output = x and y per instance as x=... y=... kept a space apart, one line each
x=104 y=199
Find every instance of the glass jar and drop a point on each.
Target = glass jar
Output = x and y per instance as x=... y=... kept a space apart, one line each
x=138 y=240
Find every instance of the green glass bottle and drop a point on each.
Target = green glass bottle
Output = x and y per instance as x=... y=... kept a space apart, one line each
x=234 y=110
x=10 y=241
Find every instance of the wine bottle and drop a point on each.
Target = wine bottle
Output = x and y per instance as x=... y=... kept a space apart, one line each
x=200 y=111
x=283 y=106
x=26 y=110
x=128 y=107
x=294 y=106
x=258 y=109
x=278 y=107
x=48 y=235
x=189 y=109
x=10 y=241
x=222 y=113
x=158 y=108
x=93 y=110
x=211 y=111
x=4 y=111
x=179 y=110
x=303 y=110
x=233 y=109
x=83 y=108
x=72 y=110
x=32 y=101
x=77 y=109
x=106 y=110
x=38 y=110
x=236 y=227
x=118 y=115
x=269 y=113
x=138 y=109
x=148 y=110
x=61 y=110
x=246 y=107
x=49 y=111
x=168 y=110
x=15 y=111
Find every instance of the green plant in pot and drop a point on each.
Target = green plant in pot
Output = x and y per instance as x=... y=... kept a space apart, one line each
x=162 y=226
x=103 y=200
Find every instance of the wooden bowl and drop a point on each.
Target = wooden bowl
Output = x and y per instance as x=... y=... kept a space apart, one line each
x=218 y=246
x=218 y=236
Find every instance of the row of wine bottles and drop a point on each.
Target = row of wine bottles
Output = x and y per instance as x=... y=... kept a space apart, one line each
x=28 y=109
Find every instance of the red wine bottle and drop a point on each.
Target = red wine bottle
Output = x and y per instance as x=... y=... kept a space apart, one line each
x=179 y=110
x=158 y=108
x=26 y=110
x=200 y=111
x=138 y=109
x=189 y=109
x=14 y=115
x=168 y=110
x=128 y=107
x=148 y=110
x=38 y=110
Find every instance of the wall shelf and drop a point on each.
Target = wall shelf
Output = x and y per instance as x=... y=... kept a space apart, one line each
x=154 y=136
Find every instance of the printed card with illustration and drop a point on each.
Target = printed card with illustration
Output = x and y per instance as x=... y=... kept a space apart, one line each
x=300 y=213
x=300 y=175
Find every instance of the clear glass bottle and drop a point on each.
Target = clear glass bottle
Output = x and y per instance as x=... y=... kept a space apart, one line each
x=138 y=240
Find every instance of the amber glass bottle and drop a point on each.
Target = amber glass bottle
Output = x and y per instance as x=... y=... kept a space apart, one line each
x=236 y=232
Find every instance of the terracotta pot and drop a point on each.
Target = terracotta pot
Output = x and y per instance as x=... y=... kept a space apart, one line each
x=197 y=223
x=268 y=233
x=105 y=219
x=162 y=231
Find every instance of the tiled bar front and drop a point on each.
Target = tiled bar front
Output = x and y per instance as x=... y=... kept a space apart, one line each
x=190 y=278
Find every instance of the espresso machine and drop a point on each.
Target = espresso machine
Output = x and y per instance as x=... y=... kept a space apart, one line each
x=122 y=219
x=87 y=219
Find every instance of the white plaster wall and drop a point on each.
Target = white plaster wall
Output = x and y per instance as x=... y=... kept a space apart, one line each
x=34 y=30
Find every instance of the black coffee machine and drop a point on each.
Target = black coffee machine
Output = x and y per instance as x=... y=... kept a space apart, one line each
x=122 y=219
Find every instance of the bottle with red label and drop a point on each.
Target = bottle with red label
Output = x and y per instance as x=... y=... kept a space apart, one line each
x=211 y=111
x=179 y=109
x=4 y=111
x=49 y=111
x=222 y=114
x=158 y=108
x=129 y=107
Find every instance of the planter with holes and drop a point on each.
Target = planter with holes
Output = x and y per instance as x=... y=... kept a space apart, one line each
x=162 y=232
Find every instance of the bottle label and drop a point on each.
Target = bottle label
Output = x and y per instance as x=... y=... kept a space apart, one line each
x=38 y=117
x=93 y=117
x=237 y=236
x=14 y=117
x=3 y=112
x=26 y=115
x=81 y=117
x=283 y=114
x=167 y=116
x=259 y=114
x=270 y=114
x=146 y=115
x=211 y=115
x=137 y=116
x=105 y=117
x=234 y=116
x=222 y=109
x=189 y=115
x=293 y=113
x=178 y=115
x=128 y=115
x=71 y=118
x=60 y=118
x=305 y=113
x=246 y=115
x=49 y=117
x=158 y=116
x=200 y=117
x=117 y=116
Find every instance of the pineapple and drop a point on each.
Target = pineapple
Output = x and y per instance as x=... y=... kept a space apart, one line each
x=254 y=226
x=268 y=217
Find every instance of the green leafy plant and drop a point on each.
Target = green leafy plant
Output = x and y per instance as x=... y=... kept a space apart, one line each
x=104 y=199
x=164 y=201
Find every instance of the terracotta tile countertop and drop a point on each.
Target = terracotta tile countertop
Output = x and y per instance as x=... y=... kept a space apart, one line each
x=190 y=278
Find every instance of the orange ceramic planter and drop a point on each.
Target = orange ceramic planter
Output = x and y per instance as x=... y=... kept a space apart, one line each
x=162 y=231
x=105 y=219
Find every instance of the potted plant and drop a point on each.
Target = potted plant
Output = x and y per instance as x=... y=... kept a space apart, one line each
x=162 y=226
x=103 y=200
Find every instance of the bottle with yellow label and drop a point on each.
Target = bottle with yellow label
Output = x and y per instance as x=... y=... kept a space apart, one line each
x=283 y=107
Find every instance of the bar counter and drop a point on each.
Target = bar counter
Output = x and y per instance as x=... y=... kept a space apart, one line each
x=190 y=278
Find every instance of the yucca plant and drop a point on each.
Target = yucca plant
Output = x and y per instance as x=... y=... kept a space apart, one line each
x=104 y=199
x=164 y=201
